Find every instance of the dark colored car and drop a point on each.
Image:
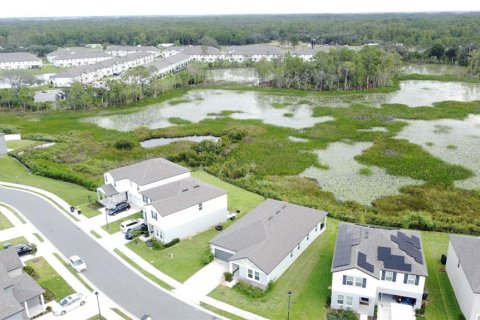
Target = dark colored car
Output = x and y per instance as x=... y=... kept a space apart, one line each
x=129 y=233
x=23 y=249
x=119 y=207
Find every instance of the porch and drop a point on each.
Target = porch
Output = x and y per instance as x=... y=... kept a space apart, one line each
x=108 y=195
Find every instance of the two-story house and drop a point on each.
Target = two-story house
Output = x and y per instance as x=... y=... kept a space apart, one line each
x=463 y=261
x=373 y=266
x=20 y=296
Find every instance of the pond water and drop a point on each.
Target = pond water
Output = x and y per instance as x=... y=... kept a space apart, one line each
x=454 y=141
x=343 y=177
x=152 y=143
x=197 y=105
x=433 y=69
x=235 y=75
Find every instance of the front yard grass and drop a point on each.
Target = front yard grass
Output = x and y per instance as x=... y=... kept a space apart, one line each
x=87 y=211
x=114 y=226
x=17 y=144
x=13 y=242
x=4 y=222
x=185 y=258
x=49 y=279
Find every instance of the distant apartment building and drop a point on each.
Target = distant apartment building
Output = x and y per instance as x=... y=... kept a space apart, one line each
x=19 y=60
x=73 y=57
x=121 y=51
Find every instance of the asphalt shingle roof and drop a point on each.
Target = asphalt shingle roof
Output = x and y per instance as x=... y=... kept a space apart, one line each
x=18 y=57
x=182 y=194
x=77 y=53
x=9 y=259
x=268 y=233
x=109 y=190
x=8 y=305
x=25 y=288
x=468 y=252
x=367 y=240
x=148 y=171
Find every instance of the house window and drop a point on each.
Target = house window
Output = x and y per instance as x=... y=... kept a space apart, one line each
x=364 y=301
x=389 y=276
x=257 y=275
x=411 y=279
x=154 y=215
x=250 y=273
x=348 y=301
x=340 y=299
x=358 y=282
x=200 y=206
x=349 y=281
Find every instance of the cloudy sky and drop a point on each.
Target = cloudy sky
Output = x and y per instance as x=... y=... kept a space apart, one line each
x=56 y=8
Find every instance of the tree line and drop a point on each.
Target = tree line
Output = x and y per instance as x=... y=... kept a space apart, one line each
x=342 y=69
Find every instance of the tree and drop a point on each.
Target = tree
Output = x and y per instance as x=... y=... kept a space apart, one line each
x=473 y=68
x=263 y=69
x=437 y=50
x=451 y=54
x=208 y=42
x=19 y=78
x=139 y=75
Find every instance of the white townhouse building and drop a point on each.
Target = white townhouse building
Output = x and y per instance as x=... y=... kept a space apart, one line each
x=19 y=60
x=20 y=296
x=253 y=53
x=197 y=53
x=463 y=261
x=307 y=54
x=121 y=51
x=373 y=266
x=171 y=64
x=174 y=205
x=72 y=57
x=261 y=246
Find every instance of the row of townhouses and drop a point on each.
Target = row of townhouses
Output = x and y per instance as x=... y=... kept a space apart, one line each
x=19 y=60
x=373 y=269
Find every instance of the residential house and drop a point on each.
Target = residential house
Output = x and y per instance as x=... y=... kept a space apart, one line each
x=72 y=57
x=19 y=60
x=3 y=145
x=174 y=205
x=171 y=64
x=197 y=53
x=121 y=51
x=373 y=266
x=252 y=53
x=307 y=54
x=463 y=270
x=261 y=246
x=20 y=296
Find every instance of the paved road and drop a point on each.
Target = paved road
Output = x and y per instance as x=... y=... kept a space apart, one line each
x=108 y=274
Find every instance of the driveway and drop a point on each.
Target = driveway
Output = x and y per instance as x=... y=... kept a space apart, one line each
x=105 y=271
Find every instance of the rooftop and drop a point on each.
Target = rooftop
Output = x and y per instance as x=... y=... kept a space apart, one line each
x=268 y=233
x=372 y=249
x=182 y=194
x=148 y=171
x=468 y=254
x=18 y=57
x=77 y=53
x=9 y=259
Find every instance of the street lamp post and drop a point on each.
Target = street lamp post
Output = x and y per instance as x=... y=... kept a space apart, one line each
x=98 y=304
x=289 y=296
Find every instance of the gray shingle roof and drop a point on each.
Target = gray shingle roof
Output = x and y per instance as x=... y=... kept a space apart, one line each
x=256 y=49
x=109 y=190
x=8 y=305
x=148 y=171
x=467 y=250
x=268 y=233
x=77 y=53
x=18 y=57
x=25 y=288
x=195 y=50
x=367 y=240
x=10 y=259
x=5 y=280
x=182 y=194
x=165 y=62
x=132 y=48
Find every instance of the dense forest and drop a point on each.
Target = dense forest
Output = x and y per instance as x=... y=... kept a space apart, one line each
x=454 y=31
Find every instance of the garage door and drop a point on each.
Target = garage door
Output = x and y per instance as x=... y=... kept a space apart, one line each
x=222 y=255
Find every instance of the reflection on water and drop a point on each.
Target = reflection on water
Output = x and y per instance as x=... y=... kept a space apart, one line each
x=235 y=75
x=433 y=69
x=454 y=141
x=343 y=177
x=151 y=143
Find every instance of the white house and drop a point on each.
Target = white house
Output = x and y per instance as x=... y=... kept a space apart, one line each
x=19 y=60
x=171 y=64
x=197 y=53
x=261 y=246
x=253 y=53
x=307 y=54
x=121 y=51
x=72 y=57
x=373 y=266
x=184 y=207
x=20 y=296
x=174 y=205
x=463 y=261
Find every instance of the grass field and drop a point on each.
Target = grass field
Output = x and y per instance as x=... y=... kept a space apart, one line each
x=4 y=223
x=13 y=242
x=50 y=279
x=18 y=144
x=115 y=225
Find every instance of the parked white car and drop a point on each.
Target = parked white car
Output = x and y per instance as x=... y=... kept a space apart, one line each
x=69 y=303
x=77 y=263
x=131 y=224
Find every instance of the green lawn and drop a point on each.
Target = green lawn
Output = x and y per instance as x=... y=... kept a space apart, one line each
x=12 y=171
x=50 y=279
x=13 y=241
x=87 y=211
x=221 y=312
x=308 y=279
x=187 y=255
x=17 y=144
x=121 y=314
x=115 y=225
x=15 y=212
x=4 y=222
x=441 y=303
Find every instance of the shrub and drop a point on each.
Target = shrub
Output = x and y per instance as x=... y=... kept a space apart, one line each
x=249 y=290
x=31 y=272
x=124 y=145
x=8 y=129
x=171 y=243
x=270 y=286
x=207 y=258
x=341 y=314
x=228 y=276
x=34 y=248
x=418 y=220
x=48 y=295
x=156 y=245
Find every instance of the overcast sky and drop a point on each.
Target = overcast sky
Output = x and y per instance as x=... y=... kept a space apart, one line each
x=56 y=8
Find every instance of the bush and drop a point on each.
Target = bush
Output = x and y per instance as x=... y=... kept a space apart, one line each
x=124 y=145
x=171 y=243
x=31 y=272
x=207 y=258
x=48 y=295
x=249 y=290
x=8 y=129
x=156 y=245
x=228 y=276
x=419 y=221
x=34 y=248
x=341 y=314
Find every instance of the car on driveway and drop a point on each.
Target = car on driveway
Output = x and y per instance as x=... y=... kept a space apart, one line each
x=69 y=303
x=23 y=249
x=129 y=234
x=77 y=263
x=132 y=224
x=119 y=207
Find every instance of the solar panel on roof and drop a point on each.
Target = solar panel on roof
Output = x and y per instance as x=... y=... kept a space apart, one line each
x=362 y=262
x=415 y=241
x=383 y=253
